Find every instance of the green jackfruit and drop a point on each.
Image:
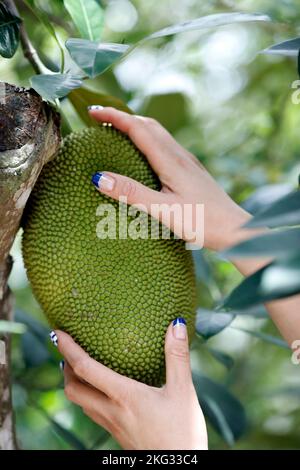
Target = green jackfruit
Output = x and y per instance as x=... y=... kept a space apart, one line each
x=115 y=297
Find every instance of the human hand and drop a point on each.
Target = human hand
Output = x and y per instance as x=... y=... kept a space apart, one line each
x=184 y=181
x=138 y=416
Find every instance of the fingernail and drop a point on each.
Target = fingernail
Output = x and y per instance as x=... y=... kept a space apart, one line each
x=95 y=107
x=179 y=328
x=103 y=182
x=62 y=365
x=53 y=338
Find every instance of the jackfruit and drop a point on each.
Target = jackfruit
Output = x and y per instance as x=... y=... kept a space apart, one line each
x=114 y=296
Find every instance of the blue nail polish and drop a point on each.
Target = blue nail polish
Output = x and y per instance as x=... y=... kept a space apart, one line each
x=178 y=321
x=53 y=338
x=96 y=179
x=62 y=365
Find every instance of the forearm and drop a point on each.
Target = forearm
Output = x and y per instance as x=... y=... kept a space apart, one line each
x=285 y=313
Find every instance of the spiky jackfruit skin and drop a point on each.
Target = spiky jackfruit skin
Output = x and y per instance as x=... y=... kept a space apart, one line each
x=115 y=297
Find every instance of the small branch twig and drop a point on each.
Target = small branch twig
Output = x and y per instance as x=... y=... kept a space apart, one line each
x=29 y=51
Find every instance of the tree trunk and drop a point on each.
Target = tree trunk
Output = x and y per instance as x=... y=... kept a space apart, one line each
x=29 y=137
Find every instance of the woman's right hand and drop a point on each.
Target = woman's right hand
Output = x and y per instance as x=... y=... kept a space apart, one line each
x=184 y=181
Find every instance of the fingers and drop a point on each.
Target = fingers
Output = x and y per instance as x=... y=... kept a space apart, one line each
x=149 y=136
x=117 y=186
x=119 y=119
x=95 y=404
x=177 y=356
x=86 y=368
x=81 y=393
x=163 y=206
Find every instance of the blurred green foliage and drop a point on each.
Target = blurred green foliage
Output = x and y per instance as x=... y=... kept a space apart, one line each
x=231 y=107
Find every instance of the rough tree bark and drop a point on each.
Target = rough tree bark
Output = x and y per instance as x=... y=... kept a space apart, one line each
x=29 y=137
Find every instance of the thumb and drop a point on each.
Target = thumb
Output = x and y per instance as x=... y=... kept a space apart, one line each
x=116 y=186
x=178 y=369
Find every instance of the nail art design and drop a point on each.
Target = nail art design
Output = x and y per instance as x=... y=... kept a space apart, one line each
x=95 y=107
x=96 y=179
x=62 y=365
x=179 y=328
x=179 y=321
x=53 y=338
x=103 y=182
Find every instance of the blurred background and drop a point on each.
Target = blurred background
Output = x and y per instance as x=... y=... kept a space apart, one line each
x=232 y=108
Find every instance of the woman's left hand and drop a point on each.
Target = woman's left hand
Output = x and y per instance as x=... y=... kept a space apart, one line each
x=137 y=415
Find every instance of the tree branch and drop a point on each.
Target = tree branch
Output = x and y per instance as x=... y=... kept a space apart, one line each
x=7 y=435
x=29 y=136
x=29 y=51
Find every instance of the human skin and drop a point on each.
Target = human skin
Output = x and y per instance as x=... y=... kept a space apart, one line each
x=139 y=416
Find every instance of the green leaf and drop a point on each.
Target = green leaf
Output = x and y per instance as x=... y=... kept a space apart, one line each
x=87 y=16
x=9 y=32
x=34 y=351
x=265 y=196
x=34 y=342
x=82 y=98
x=101 y=438
x=202 y=267
x=276 y=243
x=264 y=337
x=284 y=212
x=158 y=107
x=209 y=323
x=12 y=327
x=206 y=22
x=43 y=18
x=61 y=431
x=257 y=311
x=288 y=48
x=67 y=436
x=38 y=328
x=222 y=357
x=53 y=86
x=92 y=57
x=275 y=281
x=221 y=408
x=95 y=58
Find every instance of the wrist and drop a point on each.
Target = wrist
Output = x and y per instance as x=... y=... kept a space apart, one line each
x=236 y=234
x=232 y=232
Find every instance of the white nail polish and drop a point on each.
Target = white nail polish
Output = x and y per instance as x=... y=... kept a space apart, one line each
x=95 y=107
x=179 y=328
x=106 y=183
x=103 y=181
x=53 y=338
